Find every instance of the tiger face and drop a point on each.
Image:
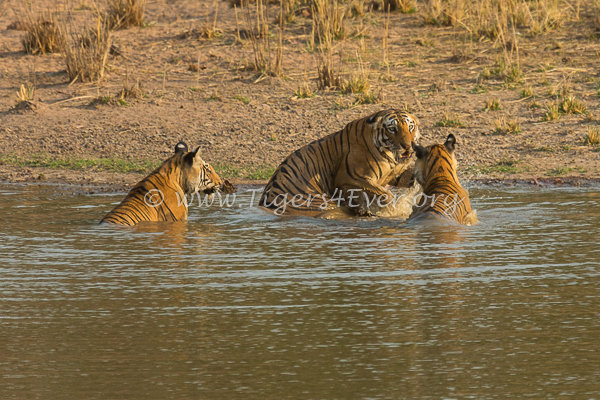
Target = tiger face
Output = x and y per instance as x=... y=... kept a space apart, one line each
x=428 y=157
x=396 y=131
x=198 y=175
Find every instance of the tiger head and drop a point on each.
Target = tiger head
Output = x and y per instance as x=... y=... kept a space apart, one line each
x=429 y=158
x=396 y=131
x=196 y=174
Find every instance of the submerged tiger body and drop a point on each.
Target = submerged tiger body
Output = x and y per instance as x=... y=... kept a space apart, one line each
x=443 y=195
x=161 y=196
x=352 y=165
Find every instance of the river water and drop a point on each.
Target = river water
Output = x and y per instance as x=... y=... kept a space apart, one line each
x=240 y=304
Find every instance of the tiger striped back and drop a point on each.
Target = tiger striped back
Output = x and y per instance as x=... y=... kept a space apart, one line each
x=161 y=196
x=367 y=154
x=443 y=195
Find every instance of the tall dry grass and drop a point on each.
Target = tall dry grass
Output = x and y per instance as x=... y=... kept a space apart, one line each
x=86 y=52
x=486 y=18
x=43 y=34
x=125 y=13
x=266 y=60
x=327 y=26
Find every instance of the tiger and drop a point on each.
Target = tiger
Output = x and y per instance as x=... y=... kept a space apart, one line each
x=352 y=166
x=435 y=170
x=161 y=196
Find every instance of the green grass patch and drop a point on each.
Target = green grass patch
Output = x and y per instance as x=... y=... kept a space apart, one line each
x=243 y=99
x=551 y=113
x=492 y=104
x=526 y=92
x=450 y=121
x=255 y=172
x=560 y=171
x=477 y=89
x=570 y=105
x=545 y=149
x=79 y=164
x=502 y=166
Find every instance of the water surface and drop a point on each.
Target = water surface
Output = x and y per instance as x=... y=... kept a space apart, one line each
x=240 y=304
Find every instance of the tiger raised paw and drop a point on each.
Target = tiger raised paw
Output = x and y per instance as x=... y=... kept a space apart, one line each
x=443 y=196
x=349 y=168
x=161 y=196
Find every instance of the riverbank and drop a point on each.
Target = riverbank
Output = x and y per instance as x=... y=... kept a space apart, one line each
x=529 y=124
x=110 y=182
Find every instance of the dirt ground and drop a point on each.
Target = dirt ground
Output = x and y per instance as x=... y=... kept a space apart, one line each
x=246 y=124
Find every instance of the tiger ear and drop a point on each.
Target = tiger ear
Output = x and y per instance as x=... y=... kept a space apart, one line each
x=181 y=147
x=197 y=157
x=193 y=157
x=420 y=151
x=373 y=118
x=450 y=143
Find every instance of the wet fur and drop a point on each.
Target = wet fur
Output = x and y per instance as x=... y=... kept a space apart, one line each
x=181 y=174
x=444 y=196
x=367 y=154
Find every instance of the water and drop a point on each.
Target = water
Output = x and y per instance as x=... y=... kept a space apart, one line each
x=239 y=304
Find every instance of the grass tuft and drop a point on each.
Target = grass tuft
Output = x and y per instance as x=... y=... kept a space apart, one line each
x=450 y=121
x=592 y=136
x=551 y=113
x=504 y=127
x=122 y=14
x=358 y=83
x=492 y=105
x=43 y=35
x=571 y=105
x=25 y=93
x=86 y=53
x=304 y=91
x=526 y=92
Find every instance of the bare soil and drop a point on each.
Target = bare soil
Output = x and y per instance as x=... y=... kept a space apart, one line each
x=205 y=92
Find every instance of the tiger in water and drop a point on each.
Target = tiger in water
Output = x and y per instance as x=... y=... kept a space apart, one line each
x=443 y=195
x=161 y=196
x=354 y=164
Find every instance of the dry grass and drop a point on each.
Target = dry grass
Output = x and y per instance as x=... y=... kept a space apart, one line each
x=122 y=14
x=25 y=93
x=357 y=83
x=492 y=18
x=304 y=91
x=86 y=53
x=327 y=25
x=404 y=6
x=526 y=92
x=450 y=120
x=592 y=136
x=210 y=31
x=131 y=92
x=506 y=127
x=327 y=20
x=258 y=31
x=570 y=105
x=551 y=113
x=492 y=105
x=43 y=34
